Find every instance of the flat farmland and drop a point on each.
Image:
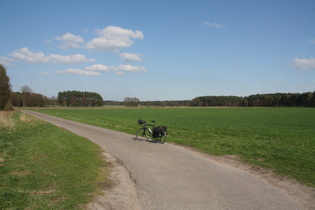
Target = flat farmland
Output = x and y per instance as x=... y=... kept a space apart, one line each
x=280 y=139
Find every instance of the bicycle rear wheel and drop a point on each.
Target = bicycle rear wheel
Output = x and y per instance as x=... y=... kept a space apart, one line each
x=162 y=139
x=143 y=134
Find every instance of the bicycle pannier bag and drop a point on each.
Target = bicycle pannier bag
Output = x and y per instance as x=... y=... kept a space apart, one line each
x=159 y=131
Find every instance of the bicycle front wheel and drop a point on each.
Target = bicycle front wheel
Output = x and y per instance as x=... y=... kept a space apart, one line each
x=143 y=134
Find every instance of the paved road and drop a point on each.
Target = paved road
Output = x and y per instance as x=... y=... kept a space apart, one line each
x=172 y=177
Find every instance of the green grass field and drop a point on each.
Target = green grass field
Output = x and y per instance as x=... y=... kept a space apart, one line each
x=45 y=167
x=281 y=139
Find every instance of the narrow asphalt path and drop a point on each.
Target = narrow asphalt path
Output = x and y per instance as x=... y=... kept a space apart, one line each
x=173 y=177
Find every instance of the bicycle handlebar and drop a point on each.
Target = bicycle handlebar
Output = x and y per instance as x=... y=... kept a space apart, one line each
x=144 y=122
x=154 y=121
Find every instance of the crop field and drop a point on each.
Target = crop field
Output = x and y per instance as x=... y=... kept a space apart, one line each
x=281 y=139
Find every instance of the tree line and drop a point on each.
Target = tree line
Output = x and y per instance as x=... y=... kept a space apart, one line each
x=27 y=98
x=216 y=101
x=20 y=99
x=131 y=101
x=166 y=103
x=138 y=103
x=281 y=100
x=259 y=100
x=79 y=99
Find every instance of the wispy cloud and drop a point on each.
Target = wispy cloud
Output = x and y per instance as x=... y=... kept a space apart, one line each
x=304 y=64
x=95 y=70
x=312 y=41
x=129 y=68
x=26 y=55
x=7 y=61
x=130 y=57
x=117 y=69
x=79 y=72
x=213 y=25
x=99 y=67
x=113 y=38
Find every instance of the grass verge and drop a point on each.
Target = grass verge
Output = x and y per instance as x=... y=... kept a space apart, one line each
x=45 y=167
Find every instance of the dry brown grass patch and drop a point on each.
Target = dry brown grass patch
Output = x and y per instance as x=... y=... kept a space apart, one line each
x=28 y=118
x=6 y=119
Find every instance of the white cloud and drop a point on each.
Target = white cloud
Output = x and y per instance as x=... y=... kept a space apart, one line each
x=129 y=68
x=69 y=59
x=129 y=57
x=99 y=67
x=26 y=55
x=70 y=41
x=95 y=70
x=117 y=69
x=70 y=38
x=214 y=25
x=312 y=41
x=79 y=72
x=6 y=61
x=304 y=64
x=113 y=38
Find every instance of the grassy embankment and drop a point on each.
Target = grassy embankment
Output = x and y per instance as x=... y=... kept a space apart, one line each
x=281 y=139
x=45 y=167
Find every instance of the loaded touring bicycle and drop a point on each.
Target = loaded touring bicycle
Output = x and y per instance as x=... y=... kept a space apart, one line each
x=155 y=133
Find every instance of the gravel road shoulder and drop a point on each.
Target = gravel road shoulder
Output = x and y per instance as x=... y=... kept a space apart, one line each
x=123 y=193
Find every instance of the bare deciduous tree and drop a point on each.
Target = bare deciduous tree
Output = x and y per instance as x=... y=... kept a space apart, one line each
x=26 y=94
x=131 y=102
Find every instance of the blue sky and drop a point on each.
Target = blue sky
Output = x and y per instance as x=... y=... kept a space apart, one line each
x=159 y=50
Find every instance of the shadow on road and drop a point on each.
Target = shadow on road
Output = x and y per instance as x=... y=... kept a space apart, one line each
x=148 y=140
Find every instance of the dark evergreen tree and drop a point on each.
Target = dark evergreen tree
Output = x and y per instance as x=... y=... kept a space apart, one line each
x=79 y=99
x=5 y=90
x=259 y=100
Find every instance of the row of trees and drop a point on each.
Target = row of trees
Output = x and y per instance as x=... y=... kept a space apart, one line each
x=281 y=100
x=137 y=102
x=20 y=99
x=216 y=101
x=79 y=99
x=26 y=98
x=131 y=102
x=259 y=100
x=30 y=100
x=166 y=103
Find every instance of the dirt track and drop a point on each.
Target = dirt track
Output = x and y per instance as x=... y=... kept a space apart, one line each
x=156 y=176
